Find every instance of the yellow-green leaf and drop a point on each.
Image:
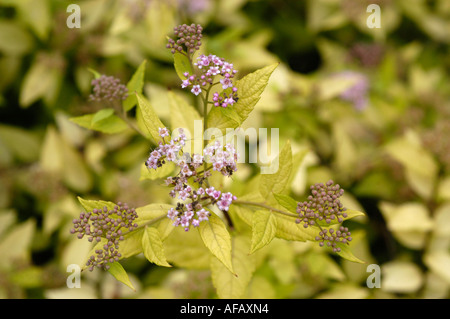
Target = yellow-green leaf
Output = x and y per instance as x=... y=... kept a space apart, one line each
x=89 y=205
x=183 y=115
x=37 y=83
x=103 y=121
x=288 y=229
x=186 y=249
x=250 y=89
x=131 y=244
x=120 y=274
x=153 y=247
x=215 y=236
x=15 y=245
x=152 y=212
x=135 y=85
x=182 y=65
x=249 y=92
x=58 y=156
x=287 y=202
x=152 y=174
x=149 y=116
x=228 y=285
x=346 y=253
x=263 y=230
x=276 y=182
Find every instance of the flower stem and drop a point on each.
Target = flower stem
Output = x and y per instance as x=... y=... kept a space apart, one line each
x=242 y=202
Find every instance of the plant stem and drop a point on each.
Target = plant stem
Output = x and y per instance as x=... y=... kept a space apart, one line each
x=147 y=223
x=205 y=113
x=123 y=115
x=229 y=221
x=242 y=202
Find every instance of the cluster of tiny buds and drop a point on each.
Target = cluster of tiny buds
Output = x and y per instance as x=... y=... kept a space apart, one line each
x=323 y=204
x=108 y=88
x=105 y=224
x=332 y=237
x=189 y=36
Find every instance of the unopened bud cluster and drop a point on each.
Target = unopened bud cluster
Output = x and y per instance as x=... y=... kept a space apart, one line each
x=108 y=224
x=331 y=238
x=323 y=205
x=108 y=88
x=188 y=39
x=195 y=167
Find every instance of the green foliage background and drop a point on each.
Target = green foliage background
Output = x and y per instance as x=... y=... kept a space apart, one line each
x=392 y=158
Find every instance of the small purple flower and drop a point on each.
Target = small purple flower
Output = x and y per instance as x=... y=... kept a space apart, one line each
x=202 y=215
x=185 y=83
x=195 y=222
x=226 y=83
x=196 y=89
x=172 y=213
x=163 y=132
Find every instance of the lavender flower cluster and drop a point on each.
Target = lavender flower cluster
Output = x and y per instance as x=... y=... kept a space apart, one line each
x=223 y=160
x=207 y=67
x=323 y=204
x=109 y=224
x=108 y=88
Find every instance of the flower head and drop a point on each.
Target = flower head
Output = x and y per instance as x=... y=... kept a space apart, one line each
x=188 y=38
x=107 y=225
x=108 y=88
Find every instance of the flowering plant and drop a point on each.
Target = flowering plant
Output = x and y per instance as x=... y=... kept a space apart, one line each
x=224 y=225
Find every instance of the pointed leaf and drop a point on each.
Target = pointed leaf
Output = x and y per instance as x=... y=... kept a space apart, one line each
x=215 y=236
x=276 y=183
x=161 y=172
x=263 y=230
x=120 y=274
x=182 y=114
x=102 y=114
x=227 y=284
x=95 y=73
x=89 y=205
x=152 y=212
x=250 y=89
x=182 y=65
x=135 y=85
x=150 y=118
x=131 y=245
x=347 y=254
x=153 y=247
x=287 y=202
x=288 y=229
x=103 y=121
x=196 y=257
x=249 y=92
